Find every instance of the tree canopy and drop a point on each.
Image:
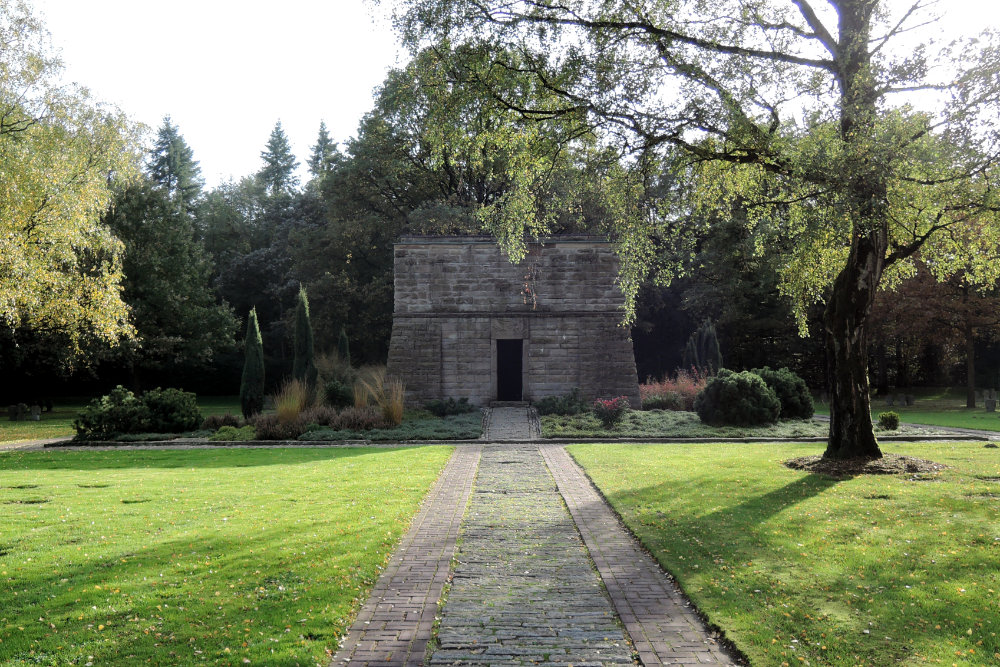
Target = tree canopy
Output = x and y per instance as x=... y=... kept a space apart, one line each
x=796 y=109
x=60 y=155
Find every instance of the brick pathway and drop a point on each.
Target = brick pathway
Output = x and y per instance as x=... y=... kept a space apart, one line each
x=663 y=626
x=395 y=624
x=524 y=590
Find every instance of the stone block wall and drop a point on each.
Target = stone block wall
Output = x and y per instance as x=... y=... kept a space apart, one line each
x=456 y=296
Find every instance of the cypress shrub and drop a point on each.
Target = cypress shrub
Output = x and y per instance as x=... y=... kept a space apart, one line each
x=702 y=352
x=344 y=347
x=737 y=399
x=304 y=364
x=796 y=401
x=252 y=383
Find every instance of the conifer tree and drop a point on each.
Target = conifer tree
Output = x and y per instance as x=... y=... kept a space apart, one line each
x=324 y=153
x=702 y=351
x=252 y=384
x=172 y=166
x=278 y=173
x=344 y=347
x=304 y=364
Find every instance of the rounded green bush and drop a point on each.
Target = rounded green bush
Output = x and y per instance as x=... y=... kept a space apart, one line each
x=792 y=392
x=172 y=410
x=737 y=399
x=888 y=421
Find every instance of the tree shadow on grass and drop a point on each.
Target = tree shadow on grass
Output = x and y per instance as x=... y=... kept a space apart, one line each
x=160 y=601
x=858 y=595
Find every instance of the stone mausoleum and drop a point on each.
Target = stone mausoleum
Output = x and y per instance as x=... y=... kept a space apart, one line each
x=469 y=324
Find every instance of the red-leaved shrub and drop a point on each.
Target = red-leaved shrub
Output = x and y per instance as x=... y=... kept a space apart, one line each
x=684 y=386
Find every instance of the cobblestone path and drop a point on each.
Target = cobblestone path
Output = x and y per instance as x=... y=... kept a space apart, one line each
x=524 y=590
x=511 y=423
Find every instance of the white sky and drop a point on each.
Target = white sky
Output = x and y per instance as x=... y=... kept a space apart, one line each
x=226 y=70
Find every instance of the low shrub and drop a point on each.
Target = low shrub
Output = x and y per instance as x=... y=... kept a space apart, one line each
x=567 y=404
x=611 y=410
x=686 y=385
x=234 y=434
x=321 y=415
x=172 y=410
x=338 y=394
x=888 y=421
x=215 y=422
x=737 y=399
x=669 y=400
x=793 y=394
x=449 y=406
x=455 y=427
x=270 y=427
x=122 y=412
x=360 y=419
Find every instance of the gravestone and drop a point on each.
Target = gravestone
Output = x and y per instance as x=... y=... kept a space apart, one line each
x=469 y=324
x=36 y=413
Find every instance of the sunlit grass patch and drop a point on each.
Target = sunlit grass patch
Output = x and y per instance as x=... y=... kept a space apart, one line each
x=937 y=407
x=797 y=567
x=177 y=557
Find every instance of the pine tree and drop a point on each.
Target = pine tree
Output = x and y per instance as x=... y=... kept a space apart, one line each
x=252 y=384
x=278 y=173
x=343 y=347
x=324 y=153
x=172 y=166
x=304 y=365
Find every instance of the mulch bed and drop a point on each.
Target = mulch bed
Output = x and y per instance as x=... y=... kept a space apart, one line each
x=889 y=464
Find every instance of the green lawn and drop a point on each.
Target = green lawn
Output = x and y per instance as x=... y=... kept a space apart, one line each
x=233 y=556
x=59 y=422
x=936 y=407
x=802 y=569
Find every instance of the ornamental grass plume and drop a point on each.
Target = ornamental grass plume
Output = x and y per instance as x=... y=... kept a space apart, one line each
x=293 y=397
x=386 y=393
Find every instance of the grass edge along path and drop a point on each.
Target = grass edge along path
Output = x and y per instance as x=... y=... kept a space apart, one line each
x=805 y=569
x=230 y=557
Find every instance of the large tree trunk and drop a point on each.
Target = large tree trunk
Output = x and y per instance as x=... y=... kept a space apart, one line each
x=851 y=432
x=866 y=199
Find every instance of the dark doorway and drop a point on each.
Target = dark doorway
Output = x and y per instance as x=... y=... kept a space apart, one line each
x=509 y=369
